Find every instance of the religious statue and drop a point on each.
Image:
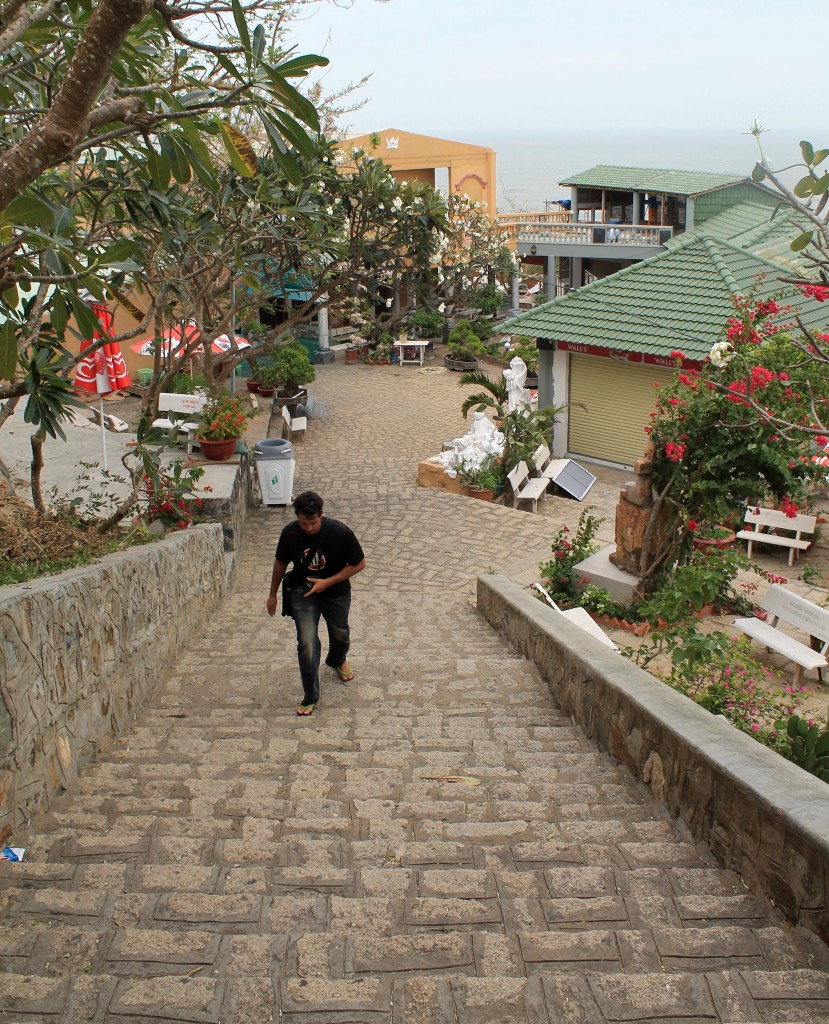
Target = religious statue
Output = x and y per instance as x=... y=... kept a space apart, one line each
x=517 y=395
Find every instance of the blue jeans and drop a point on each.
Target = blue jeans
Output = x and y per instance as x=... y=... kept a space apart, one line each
x=306 y=613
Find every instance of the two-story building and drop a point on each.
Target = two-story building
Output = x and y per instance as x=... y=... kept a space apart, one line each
x=622 y=215
x=605 y=346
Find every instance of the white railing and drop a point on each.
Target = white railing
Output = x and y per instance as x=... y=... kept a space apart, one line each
x=596 y=234
x=507 y=220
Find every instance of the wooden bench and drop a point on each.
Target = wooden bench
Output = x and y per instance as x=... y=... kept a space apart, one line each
x=292 y=424
x=785 y=607
x=765 y=520
x=184 y=405
x=524 y=487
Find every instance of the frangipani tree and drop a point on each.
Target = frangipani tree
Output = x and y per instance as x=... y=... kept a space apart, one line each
x=469 y=255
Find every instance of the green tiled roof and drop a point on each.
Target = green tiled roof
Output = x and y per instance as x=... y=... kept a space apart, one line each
x=652 y=179
x=678 y=299
x=760 y=229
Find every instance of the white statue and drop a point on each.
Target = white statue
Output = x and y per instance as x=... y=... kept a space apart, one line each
x=517 y=395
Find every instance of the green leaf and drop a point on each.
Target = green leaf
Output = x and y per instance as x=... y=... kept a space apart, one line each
x=807 y=151
x=178 y=162
x=821 y=185
x=820 y=156
x=258 y=41
x=199 y=155
x=59 y=314
x=242 y=25
x=8 y=350
x=801 y=241
x=27 y=209
x=87 y=321
x=159 y=169
x=293 y=100
x=759 y=173
x=300 y=66
x=803 y=188
x=294 y=133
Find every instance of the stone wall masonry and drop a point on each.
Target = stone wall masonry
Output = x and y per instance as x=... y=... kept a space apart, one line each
x=760 y=814
x=80 y=653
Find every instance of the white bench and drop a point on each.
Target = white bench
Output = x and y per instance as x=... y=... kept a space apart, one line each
x=767 y=519
x=192 y=405
x=580 y=617
x=524 y=487
x=292 y=424
x=785 y=607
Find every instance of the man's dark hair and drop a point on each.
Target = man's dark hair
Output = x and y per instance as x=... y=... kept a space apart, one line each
x=309 y=503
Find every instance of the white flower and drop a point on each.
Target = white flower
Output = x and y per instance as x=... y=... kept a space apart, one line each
x=721 y=354
x=442 y=307
x=388 y=303
x=397 y=202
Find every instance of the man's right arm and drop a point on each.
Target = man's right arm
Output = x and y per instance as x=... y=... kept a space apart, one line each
x=276 y=578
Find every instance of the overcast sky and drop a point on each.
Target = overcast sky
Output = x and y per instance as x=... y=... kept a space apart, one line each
x=439 y=65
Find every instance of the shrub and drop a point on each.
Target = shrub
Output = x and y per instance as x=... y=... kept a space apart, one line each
x=425 y=323
x=568 y=551
x=289 y=368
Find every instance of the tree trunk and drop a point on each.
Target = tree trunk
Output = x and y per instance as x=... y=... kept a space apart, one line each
x=36 y=467
x=55 y=137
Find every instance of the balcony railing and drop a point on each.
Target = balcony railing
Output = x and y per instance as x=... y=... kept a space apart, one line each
x=515 y=223
x=596 y=234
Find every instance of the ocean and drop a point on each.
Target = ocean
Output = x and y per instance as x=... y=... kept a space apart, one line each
x=530 y=164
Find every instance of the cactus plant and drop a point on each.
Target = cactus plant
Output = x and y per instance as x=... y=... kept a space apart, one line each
x=809 y=745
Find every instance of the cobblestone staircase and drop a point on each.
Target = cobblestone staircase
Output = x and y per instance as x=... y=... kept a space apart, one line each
x=436 y=845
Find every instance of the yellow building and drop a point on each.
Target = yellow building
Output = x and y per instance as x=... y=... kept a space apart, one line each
x=416 y=158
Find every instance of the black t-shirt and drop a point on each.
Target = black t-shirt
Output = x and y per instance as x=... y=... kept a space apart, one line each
x=334 y=547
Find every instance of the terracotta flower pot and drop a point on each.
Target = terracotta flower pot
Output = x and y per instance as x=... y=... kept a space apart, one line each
x=482 y=494
x=352 y=355
x=252 y=385
x=704 y=543
x=266 y=391
x=217 y=451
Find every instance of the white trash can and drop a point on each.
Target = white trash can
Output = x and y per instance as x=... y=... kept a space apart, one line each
x=274 y=461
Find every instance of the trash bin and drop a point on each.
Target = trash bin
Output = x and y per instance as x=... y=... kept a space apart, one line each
x=274 y=461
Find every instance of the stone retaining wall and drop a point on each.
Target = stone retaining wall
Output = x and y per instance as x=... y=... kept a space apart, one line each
x=760 y=814
x=81 y=652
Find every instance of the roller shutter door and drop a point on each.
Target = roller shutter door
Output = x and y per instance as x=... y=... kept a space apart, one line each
x=610 y=403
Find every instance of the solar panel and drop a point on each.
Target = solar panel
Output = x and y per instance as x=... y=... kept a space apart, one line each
x=574 y=479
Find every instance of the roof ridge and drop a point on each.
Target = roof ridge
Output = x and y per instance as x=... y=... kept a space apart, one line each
x=710 y=244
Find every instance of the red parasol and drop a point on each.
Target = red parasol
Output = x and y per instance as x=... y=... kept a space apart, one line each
x=223 y=344
x=169 y=341
x=104 y=370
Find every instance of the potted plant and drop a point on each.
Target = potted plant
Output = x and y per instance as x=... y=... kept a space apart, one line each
x=291 y=369
x=711 y=535
x=483 y=480
x=223 y=423
x=464 y=348
x=268 y=379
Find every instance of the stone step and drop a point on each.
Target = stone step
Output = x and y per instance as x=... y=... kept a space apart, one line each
x=255 y=994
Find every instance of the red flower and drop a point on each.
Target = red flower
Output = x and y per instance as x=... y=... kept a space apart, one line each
x=821 y=440
x=676 y=354
x=692 y=525
x=815 y=291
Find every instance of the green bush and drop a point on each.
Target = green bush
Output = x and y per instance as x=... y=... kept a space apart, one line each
x=289 y=367
x=464 y=343
x=426 y=323
x=487 y=299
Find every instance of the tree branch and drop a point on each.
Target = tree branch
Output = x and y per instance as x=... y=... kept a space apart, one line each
x=53 y=139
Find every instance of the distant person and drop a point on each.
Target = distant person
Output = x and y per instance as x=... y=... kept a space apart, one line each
x=324 y=555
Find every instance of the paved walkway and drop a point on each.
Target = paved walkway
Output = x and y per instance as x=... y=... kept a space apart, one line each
x=436 y=845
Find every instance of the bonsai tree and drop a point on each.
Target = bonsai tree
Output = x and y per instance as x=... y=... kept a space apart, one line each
x=289 y=369
x=464 y=344
x=424 y=323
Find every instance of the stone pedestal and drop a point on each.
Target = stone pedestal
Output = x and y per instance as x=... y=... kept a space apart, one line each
x=432 y=474
x=633 y=514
